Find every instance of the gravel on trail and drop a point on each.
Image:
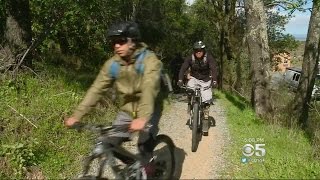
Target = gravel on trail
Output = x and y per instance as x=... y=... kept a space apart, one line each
x=209 y=159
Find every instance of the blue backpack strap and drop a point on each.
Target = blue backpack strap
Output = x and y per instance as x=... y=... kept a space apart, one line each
x=139 y=64
x=115 y=66
x=114 y=69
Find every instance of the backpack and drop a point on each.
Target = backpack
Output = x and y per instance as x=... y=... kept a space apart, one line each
x=204 y=58
x=139 y=66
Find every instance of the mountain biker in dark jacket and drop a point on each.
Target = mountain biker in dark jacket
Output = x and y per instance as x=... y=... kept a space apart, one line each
x=203 y=72
x=137 y=92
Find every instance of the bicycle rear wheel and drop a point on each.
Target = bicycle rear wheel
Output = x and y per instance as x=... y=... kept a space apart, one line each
x=195 y=121
x=91 y=178
x=163 y=157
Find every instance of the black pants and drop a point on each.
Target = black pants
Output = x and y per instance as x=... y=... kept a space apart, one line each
x=145 y=148
x=146 y=138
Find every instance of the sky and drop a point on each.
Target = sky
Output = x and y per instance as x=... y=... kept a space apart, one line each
x=298 y=25
x=189 y=1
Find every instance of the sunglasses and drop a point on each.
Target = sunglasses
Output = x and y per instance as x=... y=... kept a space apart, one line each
x=121 y=41
x=198 y=50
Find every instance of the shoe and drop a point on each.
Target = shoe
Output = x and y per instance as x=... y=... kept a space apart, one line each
x=206 y=114
x=189 y=123
x=150 y=169
x=189 y=108
x=205 y=127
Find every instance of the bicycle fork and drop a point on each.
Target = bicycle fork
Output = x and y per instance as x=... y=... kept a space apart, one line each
x=98 y=152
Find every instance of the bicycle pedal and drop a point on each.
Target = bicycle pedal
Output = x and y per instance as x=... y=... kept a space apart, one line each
x=188 y=123
x=152 y=159
x=205 y=126
x=118 y=168
x=205 y=133
x=150 y=169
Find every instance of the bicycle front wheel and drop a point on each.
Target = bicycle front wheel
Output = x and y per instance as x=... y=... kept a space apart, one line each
x=195 y=121
x=163 y=157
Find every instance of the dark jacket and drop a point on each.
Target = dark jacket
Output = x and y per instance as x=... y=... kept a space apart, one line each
x=199 y=68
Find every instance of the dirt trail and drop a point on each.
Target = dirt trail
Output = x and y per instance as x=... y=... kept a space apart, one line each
x=208 y=160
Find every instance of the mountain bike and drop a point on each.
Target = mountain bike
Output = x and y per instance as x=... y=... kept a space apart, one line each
x=195 y=109
x=162 y=158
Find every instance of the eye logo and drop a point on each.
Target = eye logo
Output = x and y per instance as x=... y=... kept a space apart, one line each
x=248 y=150
x=258 y=150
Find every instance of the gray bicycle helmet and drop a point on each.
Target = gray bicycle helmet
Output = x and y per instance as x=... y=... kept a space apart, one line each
x=126 y=29
x=199 y=45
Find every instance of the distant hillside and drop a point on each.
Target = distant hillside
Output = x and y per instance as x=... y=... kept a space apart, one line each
x=300 y=37
x=297 y=55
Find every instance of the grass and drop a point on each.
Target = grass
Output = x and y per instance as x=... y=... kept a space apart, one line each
x=32 y=132
x=31 y=122
x=32 y=112
x=288 y=151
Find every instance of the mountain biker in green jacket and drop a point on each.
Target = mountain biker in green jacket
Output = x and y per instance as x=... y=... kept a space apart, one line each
x=137 y=92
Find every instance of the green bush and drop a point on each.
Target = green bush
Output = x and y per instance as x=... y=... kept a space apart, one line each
x=31 y=122
x=289 y=153
x=20 y=156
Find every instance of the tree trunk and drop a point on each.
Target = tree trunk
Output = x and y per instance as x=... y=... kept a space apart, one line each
x=229 y=14
x=309 y=67
x=18 y=34
x=238 y=70
x=257 y=40
x=221 y=49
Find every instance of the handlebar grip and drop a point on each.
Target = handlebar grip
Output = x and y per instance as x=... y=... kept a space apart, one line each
x=77 y=126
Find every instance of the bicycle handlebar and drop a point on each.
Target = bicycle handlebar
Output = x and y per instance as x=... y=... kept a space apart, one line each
x=197 y=86
x=185 y=87
x=96 y=128
x=101 y=128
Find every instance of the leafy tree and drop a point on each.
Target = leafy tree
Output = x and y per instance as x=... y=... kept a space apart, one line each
x=2 y=18
x=16 y=32
x=164 y=25
x=278 y=40
x=74 y=26
x=212 y=23
x=309 y=67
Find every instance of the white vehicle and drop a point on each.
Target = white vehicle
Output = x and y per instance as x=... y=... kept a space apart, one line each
x=292 y=78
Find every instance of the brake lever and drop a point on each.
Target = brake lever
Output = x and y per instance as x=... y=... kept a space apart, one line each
x=78 y=126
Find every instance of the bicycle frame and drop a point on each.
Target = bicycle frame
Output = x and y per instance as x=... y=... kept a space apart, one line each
x=195 y=97
x=107 y=158
x=196 y=113
x=136 y=170
x=106 y=154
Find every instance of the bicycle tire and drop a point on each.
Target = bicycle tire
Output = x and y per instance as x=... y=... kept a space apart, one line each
x=89 y=177
x=195 y=121
x=169 y=172
x=93 y=173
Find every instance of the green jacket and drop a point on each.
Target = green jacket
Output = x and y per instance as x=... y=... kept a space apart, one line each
x=137 y=92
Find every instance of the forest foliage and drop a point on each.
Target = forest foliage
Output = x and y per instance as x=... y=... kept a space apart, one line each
x=51 y=50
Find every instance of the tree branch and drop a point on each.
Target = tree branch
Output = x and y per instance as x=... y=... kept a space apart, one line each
x=24 y=55
x=23 y=116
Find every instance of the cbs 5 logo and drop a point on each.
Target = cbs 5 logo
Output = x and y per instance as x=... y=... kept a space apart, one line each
x=248 y=150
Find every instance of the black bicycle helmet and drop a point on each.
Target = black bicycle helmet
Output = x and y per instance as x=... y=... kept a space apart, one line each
x=126 y=29
x=199 y=45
